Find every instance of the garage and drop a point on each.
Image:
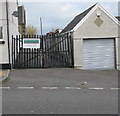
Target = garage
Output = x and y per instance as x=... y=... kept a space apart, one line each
x=95 y=39
x=99 y=54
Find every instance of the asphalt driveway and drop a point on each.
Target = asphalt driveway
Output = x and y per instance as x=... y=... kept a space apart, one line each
x=61 y=91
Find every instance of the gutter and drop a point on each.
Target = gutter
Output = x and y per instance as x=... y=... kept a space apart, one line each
x=8 y=34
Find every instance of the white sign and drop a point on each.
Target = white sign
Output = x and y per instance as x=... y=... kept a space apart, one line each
x=31 y=43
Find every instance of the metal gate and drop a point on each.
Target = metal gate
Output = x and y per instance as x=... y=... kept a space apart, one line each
x=54 y=51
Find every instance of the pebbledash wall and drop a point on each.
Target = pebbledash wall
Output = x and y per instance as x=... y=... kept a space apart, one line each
x=13 y=30
x=87 y=29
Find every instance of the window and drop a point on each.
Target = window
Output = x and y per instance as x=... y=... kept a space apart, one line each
x=1 y=32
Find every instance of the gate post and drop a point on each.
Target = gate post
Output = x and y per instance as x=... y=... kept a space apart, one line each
x=12 y=51
x=72 y=48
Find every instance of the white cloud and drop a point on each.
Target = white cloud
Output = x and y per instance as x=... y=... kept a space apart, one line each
x=59 y=14
x=111 y=8
x=67 y=7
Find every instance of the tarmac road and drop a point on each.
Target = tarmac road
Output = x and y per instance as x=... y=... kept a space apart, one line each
x=60 y=91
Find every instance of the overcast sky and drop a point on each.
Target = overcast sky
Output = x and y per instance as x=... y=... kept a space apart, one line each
x=59 y=14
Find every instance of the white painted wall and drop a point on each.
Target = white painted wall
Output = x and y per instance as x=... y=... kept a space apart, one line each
x=109 y=29
x=78 y=53
x=13 y=28
x=118 y=52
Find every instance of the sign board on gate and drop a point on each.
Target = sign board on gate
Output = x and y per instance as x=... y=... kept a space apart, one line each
x=31 y=43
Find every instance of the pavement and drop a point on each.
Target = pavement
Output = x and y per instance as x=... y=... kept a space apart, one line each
x=60 y=91
x=4 y=74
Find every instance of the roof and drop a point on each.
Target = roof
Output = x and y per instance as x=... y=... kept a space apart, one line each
x=118 y=17
x=76 y=20
x=81 y=18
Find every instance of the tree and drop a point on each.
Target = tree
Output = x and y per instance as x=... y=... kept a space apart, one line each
x=22 y=29
x=30 y=30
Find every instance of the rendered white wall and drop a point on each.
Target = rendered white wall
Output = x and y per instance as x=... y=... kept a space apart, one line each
x=13 y=29
x=109 y=29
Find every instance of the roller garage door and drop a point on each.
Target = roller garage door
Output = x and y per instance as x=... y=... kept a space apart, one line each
x=99 y=54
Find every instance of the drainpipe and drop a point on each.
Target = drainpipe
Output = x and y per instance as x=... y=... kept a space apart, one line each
x=8 y=34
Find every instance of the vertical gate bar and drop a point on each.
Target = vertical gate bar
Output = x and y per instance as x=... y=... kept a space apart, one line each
x=62 y=51
x=58 y=53
x=29 y=55
x=52 y=50
x=62 y=48
x=68 y=50
x=32 y=56
x=37 y=65
x=38 y=58
x=23 y=54
x=65 y=52
x=22 y=58
x=42 y=38
x=48 y=58
x=47 y=51
x=55 y=55
x=17 y=52
x=27 y=59
x=35 y=58
x=63 y=44
x=51 y=53
x=34 y=53
x=39 y=53
x=70 y=58
x=45 y=55
x=22 y=50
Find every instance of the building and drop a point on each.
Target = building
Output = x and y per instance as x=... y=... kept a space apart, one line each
x=96 y=39
x=8 y=27
x=22 y=19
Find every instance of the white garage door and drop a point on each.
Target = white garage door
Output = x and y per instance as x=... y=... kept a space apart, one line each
x=99 y=54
